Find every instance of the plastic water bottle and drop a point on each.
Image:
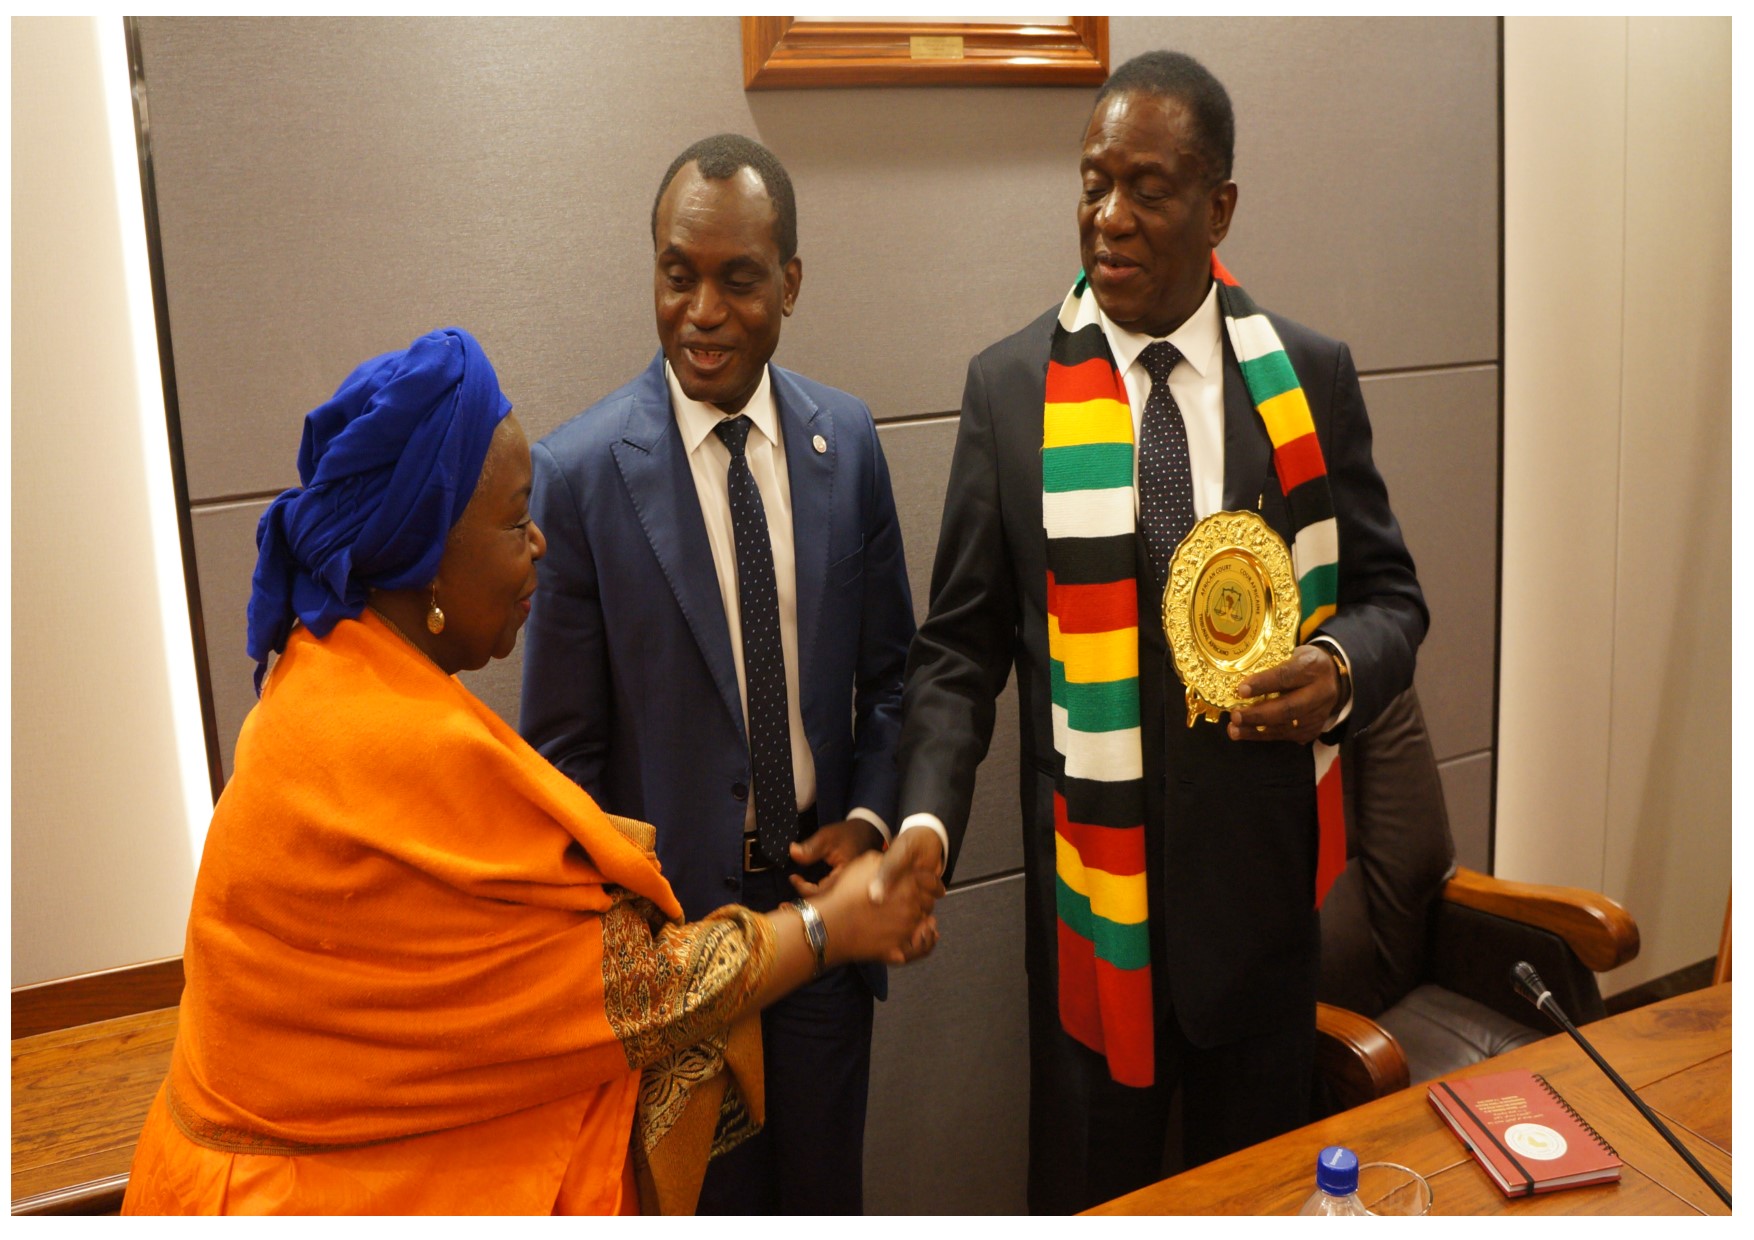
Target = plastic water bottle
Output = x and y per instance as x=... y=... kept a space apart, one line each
x=1336 y=1184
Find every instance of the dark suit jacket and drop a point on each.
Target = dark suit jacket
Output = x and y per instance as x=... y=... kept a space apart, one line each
x=1230 y=825
x=629 y=686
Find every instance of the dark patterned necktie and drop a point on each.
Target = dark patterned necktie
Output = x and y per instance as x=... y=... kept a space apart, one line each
x=764 y=662
x=1166 y=478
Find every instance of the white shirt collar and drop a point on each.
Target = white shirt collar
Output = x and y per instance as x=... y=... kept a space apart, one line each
x=696 y=419
x=1197 y=339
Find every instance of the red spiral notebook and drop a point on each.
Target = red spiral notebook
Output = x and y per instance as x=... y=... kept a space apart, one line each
x=1524 y=1134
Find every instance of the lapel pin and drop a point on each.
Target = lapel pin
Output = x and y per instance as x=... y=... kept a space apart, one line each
x=819 y=443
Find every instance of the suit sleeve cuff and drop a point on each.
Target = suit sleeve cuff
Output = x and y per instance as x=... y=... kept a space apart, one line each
x=1341 y=715
x=872 y=817
x=930 y=822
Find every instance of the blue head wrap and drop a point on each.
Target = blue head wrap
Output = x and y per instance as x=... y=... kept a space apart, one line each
x=388 y=464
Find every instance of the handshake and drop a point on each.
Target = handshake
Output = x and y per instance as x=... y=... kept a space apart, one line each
x=875 y=905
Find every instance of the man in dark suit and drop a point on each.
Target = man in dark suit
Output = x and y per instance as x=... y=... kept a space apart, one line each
x=1229 y=810
x=718 y=641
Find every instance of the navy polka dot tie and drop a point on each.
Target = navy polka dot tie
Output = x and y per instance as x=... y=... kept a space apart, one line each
x=764 y=662
x=1166 y=478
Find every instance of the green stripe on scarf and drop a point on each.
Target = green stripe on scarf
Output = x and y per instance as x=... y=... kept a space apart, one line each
x=1107 y=706
x=1269 y=376
x=1123 y=946
x=1320 y=582
x=1087 y=467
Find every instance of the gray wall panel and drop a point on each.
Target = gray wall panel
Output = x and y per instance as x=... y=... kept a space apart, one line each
x=1437 y=448
x=1467 y=791
x=948 y=1121
x=919 y=465
x=225 y=556
x=330 y=188
x=1367 y=167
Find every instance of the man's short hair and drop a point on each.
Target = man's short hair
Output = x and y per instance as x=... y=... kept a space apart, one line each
x=1174 y=75
x=720 y=158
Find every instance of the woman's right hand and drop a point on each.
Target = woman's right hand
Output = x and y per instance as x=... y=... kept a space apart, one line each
x=898 y=930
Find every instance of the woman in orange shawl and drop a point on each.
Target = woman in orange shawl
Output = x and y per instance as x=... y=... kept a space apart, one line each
x=425 y=972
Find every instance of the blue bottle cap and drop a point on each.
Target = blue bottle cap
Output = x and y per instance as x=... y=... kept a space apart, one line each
x=1337 y=1171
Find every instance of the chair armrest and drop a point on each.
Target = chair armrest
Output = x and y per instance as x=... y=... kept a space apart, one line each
x=1600 y=932
x=1359 y=1059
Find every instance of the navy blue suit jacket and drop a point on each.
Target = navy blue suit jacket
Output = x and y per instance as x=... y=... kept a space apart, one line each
x=629 y=685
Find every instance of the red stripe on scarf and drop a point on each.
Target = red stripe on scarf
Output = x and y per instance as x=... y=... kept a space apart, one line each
x=1078 y=999
x=1101 y=608
x=1331 y=839
x=1298 y=461
x=1115 y=850
x=1089 y=985
x=1096 y=379
x=1086 y=988
x=1131 y=1043
x=1220 y=272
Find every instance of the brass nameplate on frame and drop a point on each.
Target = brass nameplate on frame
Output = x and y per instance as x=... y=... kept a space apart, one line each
x=1230 y=608
x=935 y=46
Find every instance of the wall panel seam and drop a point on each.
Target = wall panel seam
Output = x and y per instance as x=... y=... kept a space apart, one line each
x=1619 y=424
x=1440 y=368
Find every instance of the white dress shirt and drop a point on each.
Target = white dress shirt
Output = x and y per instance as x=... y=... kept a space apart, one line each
x=709 y=460
x=1197 y=383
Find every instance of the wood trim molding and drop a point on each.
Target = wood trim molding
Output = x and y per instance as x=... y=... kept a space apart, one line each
x=783 y=52
x=1358 y=1057
x=69 y=1001
x=1598 y=929
x=93 y=1197
x=1720 y=969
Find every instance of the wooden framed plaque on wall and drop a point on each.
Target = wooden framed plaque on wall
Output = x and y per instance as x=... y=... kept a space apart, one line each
x=786 y=52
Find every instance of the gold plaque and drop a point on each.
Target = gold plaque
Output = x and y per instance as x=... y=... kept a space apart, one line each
x=935 y=46
x=1230 y=608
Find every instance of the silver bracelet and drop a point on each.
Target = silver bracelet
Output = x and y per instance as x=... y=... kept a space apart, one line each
x=815 y=931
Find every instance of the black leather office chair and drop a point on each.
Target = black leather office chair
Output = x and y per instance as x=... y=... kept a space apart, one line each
x=1416 y=952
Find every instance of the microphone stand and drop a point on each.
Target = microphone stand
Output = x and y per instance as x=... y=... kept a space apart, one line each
x=1528 y=984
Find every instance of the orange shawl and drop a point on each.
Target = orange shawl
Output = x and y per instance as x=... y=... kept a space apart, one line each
x=408 y=923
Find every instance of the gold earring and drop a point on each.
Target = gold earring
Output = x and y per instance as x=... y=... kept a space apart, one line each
x=435 y=618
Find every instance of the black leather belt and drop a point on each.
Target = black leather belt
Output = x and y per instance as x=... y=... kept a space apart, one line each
x=753 y=860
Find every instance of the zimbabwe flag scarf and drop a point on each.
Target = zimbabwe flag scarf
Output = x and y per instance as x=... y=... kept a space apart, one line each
x=1089 y=516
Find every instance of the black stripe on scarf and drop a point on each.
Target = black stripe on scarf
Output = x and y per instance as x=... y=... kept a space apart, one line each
x=1310 y=502
x=1095 y=561
x=1104 y=804
x=1084 y=345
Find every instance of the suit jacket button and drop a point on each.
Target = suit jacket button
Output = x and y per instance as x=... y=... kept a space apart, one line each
x=740 y=791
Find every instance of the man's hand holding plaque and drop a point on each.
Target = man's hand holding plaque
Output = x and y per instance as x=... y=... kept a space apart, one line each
x=1305 y=692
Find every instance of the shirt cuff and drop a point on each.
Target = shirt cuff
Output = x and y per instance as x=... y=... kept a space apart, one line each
x=872 y=817
x=1351 y=690
x=930 y=822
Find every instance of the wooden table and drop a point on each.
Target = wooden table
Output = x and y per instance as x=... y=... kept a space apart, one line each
x=79 y=1098
x=1675 y=1053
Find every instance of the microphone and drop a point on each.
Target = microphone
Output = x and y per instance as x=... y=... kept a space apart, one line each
x=1529 y=985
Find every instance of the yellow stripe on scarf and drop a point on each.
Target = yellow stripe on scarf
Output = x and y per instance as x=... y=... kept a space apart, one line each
x=1089 y=421
x=1119 y=898
x=1317 y=618
x=1287 y=417
x=1095 y=658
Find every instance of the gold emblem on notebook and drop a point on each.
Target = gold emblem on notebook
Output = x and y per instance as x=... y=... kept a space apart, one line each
x=1230 y=608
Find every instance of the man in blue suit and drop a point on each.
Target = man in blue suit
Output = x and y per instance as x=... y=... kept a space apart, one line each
x=718 y=640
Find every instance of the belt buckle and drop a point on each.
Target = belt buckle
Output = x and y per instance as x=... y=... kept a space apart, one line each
x=753 y=862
